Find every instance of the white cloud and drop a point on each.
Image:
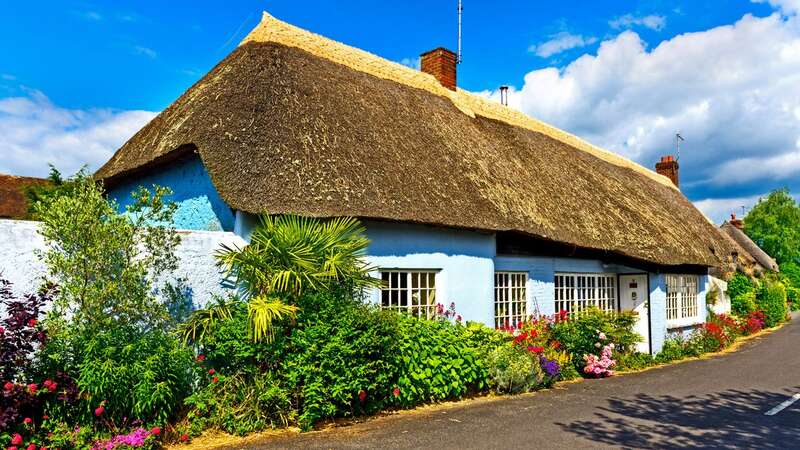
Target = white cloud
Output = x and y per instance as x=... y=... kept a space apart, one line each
x=144 y=51
x=787 y=7
x=561 y=42
x=628 y=21
x=35 y=132
x=733 y=92
x=720 y=209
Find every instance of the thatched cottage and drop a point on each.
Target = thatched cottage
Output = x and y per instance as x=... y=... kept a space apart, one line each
x=465 y=200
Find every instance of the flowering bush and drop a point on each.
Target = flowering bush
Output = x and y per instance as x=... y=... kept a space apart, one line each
x=602 y=365
x=755 y=322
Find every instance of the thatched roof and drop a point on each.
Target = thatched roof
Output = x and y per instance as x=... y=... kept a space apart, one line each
x=751 y=248
x=291 y=122
x=13 y=203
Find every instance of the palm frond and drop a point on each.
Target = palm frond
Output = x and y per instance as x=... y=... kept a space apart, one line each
x=262 y=312
x=200 y=322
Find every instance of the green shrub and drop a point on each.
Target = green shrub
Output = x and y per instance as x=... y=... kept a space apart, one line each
x=241 y=403
x=513 y=369
x=143 y=376
x=739 y=284
x=336 y=353
x=771 y=299
x=435 y=362
x=579 y=334
x=633 y=361
x=743 y=304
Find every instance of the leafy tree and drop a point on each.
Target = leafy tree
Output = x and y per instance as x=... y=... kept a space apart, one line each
x=291 y=255
x=774 y=224
x=41 y=193
x=104 y=262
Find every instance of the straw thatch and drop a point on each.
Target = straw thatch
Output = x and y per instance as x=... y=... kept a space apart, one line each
x=749 y=247
x=13 y=203
x=294 y=123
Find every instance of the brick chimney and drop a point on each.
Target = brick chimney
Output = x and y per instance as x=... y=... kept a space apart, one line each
x=738 y=223
x=441 y=63
x=668 y=167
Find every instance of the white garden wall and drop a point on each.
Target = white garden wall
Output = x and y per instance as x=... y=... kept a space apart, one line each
x=19 y=263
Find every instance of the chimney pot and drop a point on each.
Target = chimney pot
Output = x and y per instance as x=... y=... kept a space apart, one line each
x=441 y=63
x=738 y=223
x=668 y=167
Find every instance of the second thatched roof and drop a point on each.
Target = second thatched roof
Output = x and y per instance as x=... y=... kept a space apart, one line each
x=751 y=248
x=291 y=122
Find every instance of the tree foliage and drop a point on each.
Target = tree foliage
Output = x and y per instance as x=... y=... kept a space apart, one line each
x=774 y=224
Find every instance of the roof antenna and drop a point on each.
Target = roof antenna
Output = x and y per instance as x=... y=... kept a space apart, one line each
x=460 y=9
x=678 y=140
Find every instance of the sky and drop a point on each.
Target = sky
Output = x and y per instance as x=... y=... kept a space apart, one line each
x=77 y=79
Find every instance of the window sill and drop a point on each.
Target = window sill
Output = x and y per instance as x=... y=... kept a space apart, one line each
x=683 y=323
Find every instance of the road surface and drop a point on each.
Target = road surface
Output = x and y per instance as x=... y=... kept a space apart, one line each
x=711 y=403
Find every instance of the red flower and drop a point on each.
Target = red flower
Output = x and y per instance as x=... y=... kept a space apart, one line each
x=211 y=371
x=52 y=387
x=27 y=421
x=2 y=330
x=521 y=337
x=556 y=345
x=396 y=392
x=32 y=323
x=155 y=431
x=12 y=448
x=535 y=349
x=16 y=439
x=99 y=411
x=201 y=358
x=8 y=386
x=32 y=447
x=45 y=417
x=215 y=380
x=184 y=437
x=33 y=388
x=362 y=396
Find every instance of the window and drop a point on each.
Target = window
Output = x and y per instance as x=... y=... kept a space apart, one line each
x=578 y=292
x=682 y=297
x=510 y=299
x=411 y=291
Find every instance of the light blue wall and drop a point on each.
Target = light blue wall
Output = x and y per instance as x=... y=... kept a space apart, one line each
x=464 y=260
x=199 y=205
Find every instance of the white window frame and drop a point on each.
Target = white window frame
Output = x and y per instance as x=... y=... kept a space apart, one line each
x=577 y=292
x=683 y=300
x=416 y=285
x=510 y=298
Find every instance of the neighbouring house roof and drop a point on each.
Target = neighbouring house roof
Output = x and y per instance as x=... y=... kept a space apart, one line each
x=13 y=203
x=751 y=248
x=292 y=122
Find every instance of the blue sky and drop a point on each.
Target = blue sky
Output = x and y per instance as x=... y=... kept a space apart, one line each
x=78 y=78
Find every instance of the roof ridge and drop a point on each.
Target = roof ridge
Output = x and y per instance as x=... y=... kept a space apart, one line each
x=271 y=29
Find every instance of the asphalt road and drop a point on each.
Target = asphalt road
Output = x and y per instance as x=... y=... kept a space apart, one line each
x=712 y=403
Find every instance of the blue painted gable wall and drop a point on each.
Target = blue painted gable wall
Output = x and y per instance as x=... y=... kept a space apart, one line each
x=199 y=205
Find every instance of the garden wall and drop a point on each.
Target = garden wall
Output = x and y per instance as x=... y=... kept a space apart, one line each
x=19 y=241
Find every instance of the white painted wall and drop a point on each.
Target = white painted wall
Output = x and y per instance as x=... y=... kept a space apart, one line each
x=19 y=242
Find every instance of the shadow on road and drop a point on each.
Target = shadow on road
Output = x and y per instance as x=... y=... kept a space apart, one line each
x=729 y=419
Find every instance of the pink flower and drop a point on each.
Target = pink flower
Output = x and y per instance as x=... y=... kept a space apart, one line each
x=602 y=336
x=16 y=439
x=362 y=396
x=12 y=448
x=2 y=330
x=211 y=371
x=32 y=323
x=155 y=431
x=184 y=437
x=396 y=392
x=201 y=358
x=32 y=447
x=45 y=417
x=99 y=411
x=33 y=388
x=8 y=386
x=27 y=421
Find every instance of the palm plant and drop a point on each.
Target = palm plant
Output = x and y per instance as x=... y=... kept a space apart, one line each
x=290 y=255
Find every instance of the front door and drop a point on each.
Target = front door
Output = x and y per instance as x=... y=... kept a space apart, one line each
x=634 y=297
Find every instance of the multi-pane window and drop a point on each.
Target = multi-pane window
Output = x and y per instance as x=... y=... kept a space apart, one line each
x=510 y=299
x=682 y=296
x=576 y=292
x=411 y=291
